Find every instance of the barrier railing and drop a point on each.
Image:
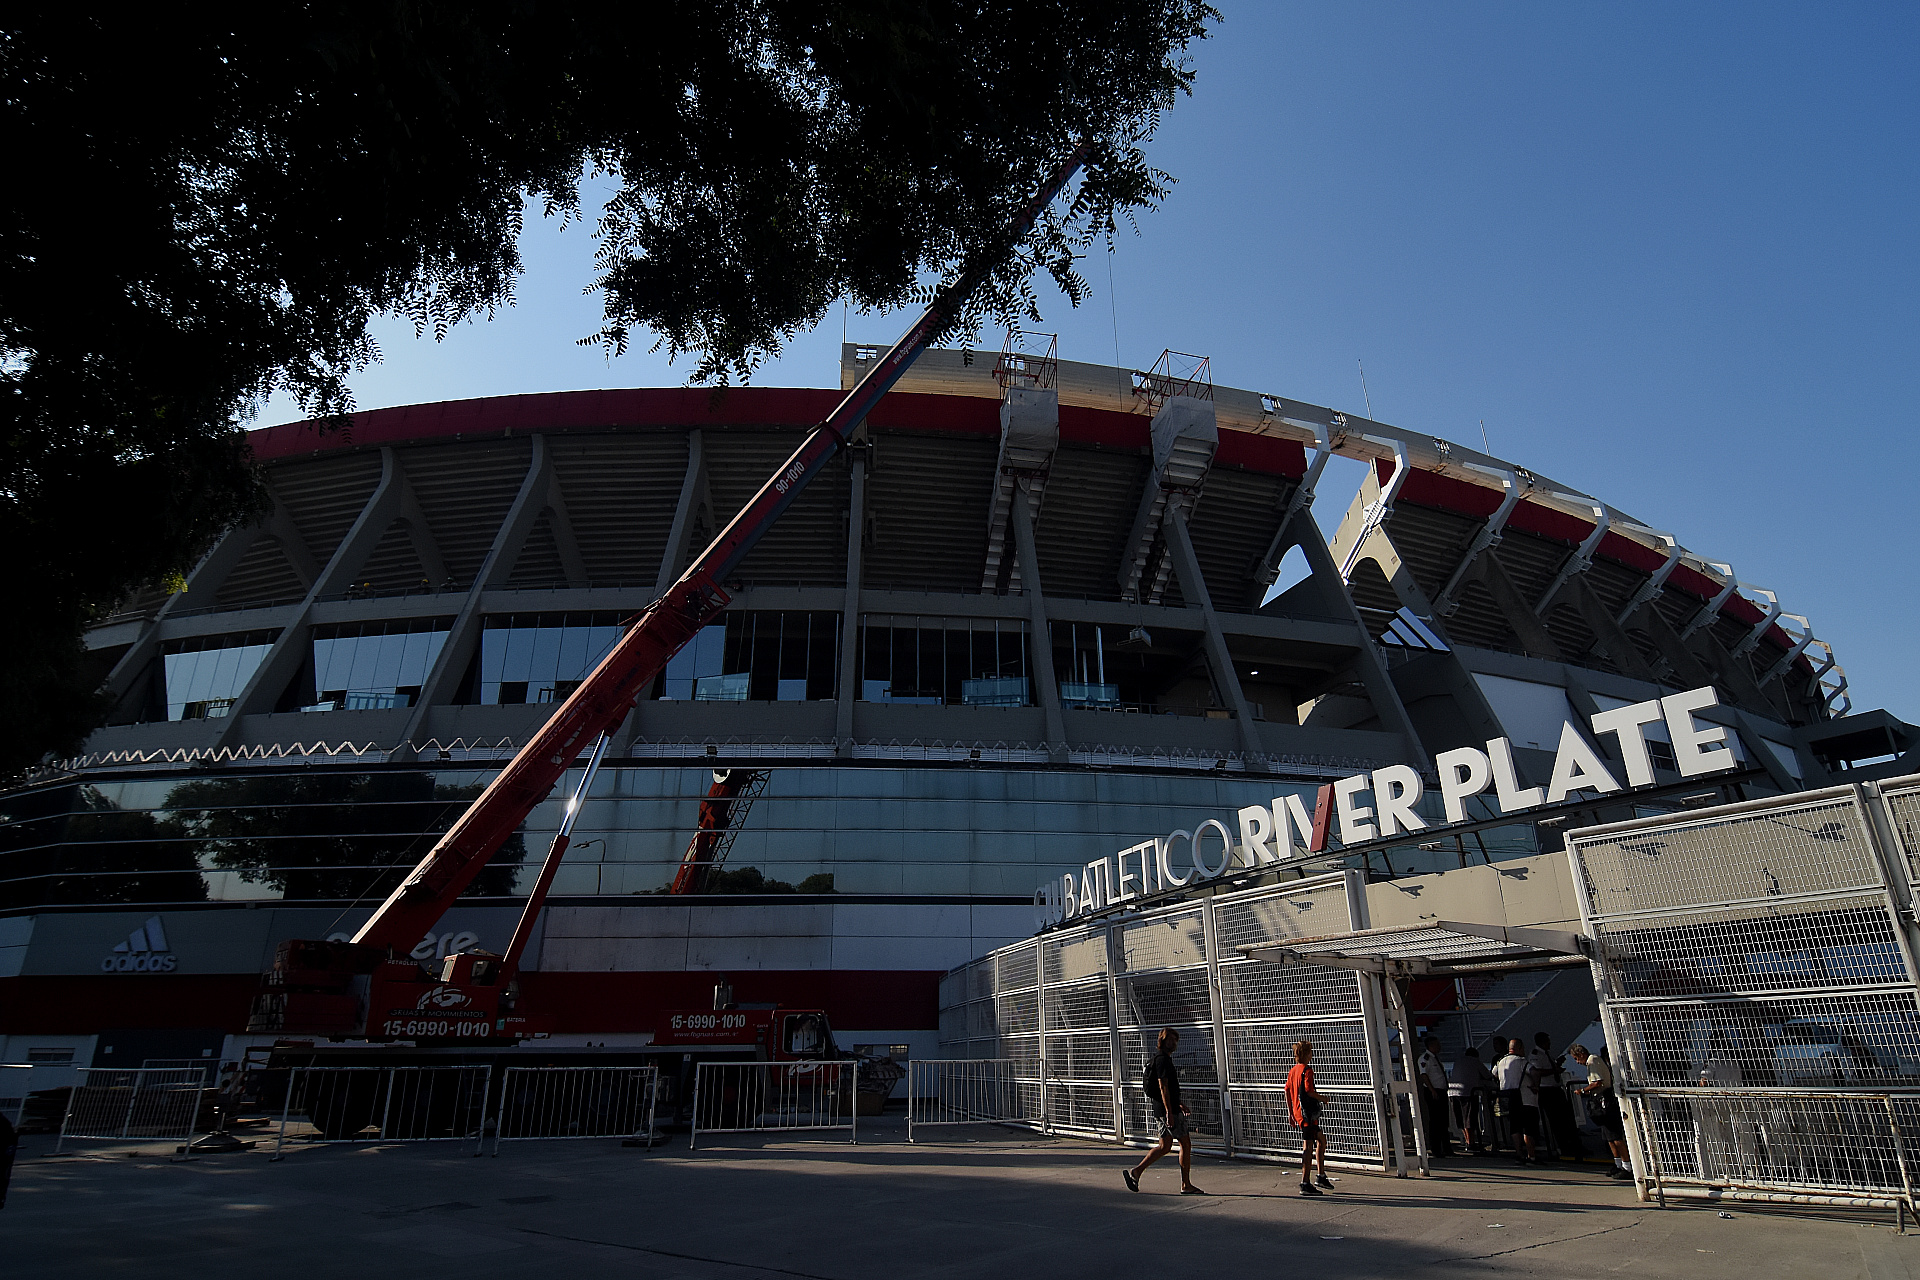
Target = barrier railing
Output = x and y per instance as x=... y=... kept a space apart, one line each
x=1780 y=1145
x=774 y=1097
x=575 y=1102
x=383 y=1104
x=948 y=1091
x=117 y=1104
x=14 y=1080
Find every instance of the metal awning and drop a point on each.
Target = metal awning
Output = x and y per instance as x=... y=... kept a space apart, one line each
x=1442 y=949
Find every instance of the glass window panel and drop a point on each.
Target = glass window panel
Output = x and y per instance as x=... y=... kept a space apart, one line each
x=388 y=651
x=570 y=661
x=792 y=691
x=493 y=655
x=516 y=662
x=415 y=657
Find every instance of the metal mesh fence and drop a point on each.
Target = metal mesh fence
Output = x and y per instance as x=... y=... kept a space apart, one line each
x=1812 y=1146
x=1076 y=1014
x=138 y=1105
x=1755 y=974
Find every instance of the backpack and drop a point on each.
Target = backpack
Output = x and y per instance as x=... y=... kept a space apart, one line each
x=1150 y=1081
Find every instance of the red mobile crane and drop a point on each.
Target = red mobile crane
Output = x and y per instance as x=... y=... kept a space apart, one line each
x=369 y=987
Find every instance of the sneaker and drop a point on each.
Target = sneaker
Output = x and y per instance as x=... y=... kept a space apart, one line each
x=1323 y=1181
x=1308 y=1189
x=1133 y=1179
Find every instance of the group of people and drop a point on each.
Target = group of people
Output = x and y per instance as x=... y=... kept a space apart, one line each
x=1526 y=1089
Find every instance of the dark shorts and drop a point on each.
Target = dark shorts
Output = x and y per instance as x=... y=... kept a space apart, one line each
x=1173 y=1126
x=1310 y=1133
x=1612 y=1123
x=1527 y=1120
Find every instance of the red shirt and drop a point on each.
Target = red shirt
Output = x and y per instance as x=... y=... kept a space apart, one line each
x=1299 y=1081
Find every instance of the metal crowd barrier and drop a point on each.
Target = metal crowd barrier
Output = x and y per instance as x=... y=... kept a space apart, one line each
x=575 y=1102
x=118 y=1104
x=774 y=1097
x=947 y=1091
x=1812 y=1147
x=383 y=1104
x=14 y=1079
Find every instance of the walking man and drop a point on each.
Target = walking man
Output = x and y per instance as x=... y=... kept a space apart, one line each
x=1303 y=1100
x=1163 y=1095
x=1472 y=1089
x=1556 y=1109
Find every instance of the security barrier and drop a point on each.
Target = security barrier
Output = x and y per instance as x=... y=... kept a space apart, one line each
x=774 y=1097
x=132 y=1105
x=13 y=1091
x=575 y=1102
x=383 y=1104
x=1075 y=1013
x=1756 y=971
x=949 y=1091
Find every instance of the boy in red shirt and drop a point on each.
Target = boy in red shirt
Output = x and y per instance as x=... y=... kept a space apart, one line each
x=1303 y=1100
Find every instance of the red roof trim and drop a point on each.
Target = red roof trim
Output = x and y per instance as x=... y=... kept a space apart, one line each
x=795 y=407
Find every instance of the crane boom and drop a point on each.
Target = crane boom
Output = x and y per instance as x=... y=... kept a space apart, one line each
x=604 y=698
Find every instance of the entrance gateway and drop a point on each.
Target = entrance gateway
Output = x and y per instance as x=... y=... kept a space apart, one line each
x=1755 y=965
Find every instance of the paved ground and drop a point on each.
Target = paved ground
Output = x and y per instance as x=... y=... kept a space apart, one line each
x=991 y=1203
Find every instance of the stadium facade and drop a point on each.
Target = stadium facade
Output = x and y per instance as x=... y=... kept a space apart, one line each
x=1026 y=624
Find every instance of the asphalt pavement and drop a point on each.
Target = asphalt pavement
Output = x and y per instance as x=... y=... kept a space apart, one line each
x=979 y=1202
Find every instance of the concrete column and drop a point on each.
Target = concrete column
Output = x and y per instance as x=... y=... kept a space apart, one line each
x=1372 y=671
x=290 y=650
x=1048 y=688
x=508 y=540
x=1193 y=585
x=692 y=489
x=849 y=683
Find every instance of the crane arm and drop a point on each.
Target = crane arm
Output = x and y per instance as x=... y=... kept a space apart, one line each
x=604 y=698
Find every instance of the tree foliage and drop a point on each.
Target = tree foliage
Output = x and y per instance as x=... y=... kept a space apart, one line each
x=209 y=203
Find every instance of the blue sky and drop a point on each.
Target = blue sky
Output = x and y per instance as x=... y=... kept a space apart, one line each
x=1666 y=252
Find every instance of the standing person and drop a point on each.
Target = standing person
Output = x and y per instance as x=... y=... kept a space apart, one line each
x=1518 y=1102
x=1303 y=1101
x=1472 y=1091
x=1163 y=1095
x=1606 y=1108
x=1556 y=1109
x=1434 y=1108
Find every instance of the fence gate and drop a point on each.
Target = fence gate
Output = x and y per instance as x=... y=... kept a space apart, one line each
x=575 y=1102
x=949 y=1091
x=774 y=1097
x=132 y=1105
x=1756 y=975
x=383 y=1104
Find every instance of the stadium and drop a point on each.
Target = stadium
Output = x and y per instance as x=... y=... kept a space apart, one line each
x=1042 y=611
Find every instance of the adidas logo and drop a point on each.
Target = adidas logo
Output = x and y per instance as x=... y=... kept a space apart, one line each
x=144 y=951
x=1407 y=630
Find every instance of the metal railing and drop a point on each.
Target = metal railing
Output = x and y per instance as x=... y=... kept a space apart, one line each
x=383 y=1104
x=947 y=1091
x=775 y=1097
x=14 y=1079
x=1781 y=1145
x=116 y=1104
x=575 y=1102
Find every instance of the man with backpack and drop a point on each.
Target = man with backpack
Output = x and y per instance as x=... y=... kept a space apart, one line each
x=1162 y=1083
